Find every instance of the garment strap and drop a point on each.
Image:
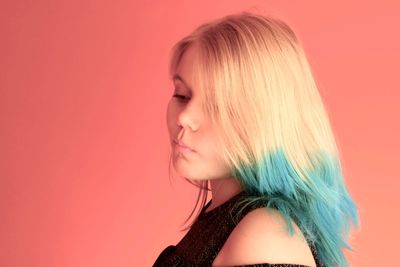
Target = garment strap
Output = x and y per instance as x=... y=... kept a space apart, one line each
x=224 y=220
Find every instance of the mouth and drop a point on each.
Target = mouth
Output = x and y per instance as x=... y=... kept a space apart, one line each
x=182 y=147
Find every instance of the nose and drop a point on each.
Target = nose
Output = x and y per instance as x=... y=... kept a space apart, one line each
x=189 y=117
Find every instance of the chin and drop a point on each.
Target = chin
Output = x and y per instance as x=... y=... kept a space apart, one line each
x=187 y=172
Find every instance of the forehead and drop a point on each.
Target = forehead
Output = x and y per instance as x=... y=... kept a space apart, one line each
x=184 y=72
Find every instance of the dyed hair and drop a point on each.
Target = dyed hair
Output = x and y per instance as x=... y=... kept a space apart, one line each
x=259 y=92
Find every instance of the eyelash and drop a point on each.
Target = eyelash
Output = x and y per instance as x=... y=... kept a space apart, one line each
x=180 y=97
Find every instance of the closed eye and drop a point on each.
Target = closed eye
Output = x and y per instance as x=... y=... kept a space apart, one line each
x=181 y=97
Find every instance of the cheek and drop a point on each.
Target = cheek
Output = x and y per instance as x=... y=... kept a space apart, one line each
x=215 y=152
x=215 y=164
x=210 y=149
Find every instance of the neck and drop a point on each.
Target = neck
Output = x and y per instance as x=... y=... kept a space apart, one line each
x=222 y=190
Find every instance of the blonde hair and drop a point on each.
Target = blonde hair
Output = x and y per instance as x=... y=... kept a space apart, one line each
x=259 y=92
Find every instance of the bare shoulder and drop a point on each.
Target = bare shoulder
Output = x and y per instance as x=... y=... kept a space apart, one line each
x=261 y=237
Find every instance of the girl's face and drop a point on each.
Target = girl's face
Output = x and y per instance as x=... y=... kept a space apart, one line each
x=187 y=123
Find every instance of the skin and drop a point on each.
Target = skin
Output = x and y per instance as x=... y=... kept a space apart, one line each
x=260 y=236
x=187 y=122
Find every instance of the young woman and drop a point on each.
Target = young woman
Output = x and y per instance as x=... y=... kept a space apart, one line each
x=247 y=118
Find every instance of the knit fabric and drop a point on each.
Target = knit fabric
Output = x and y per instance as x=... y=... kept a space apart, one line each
x=202 y=243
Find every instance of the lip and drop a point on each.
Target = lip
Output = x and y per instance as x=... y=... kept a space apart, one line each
x=182 y=145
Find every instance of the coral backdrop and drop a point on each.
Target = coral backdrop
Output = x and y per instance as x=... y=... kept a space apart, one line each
x=83 y=138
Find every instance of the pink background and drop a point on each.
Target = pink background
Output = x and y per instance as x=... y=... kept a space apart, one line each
x=83 y=138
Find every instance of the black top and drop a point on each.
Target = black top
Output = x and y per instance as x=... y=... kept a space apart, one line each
x=202 y=243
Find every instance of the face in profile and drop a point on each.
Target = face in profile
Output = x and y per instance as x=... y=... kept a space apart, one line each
x=188 y=125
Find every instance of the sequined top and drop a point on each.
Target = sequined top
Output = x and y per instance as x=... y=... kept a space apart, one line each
x=202 y=243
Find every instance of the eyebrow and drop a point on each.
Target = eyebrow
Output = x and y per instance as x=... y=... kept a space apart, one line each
x=177 y=77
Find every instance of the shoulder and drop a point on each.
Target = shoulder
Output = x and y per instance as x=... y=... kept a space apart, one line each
x=261 y=237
